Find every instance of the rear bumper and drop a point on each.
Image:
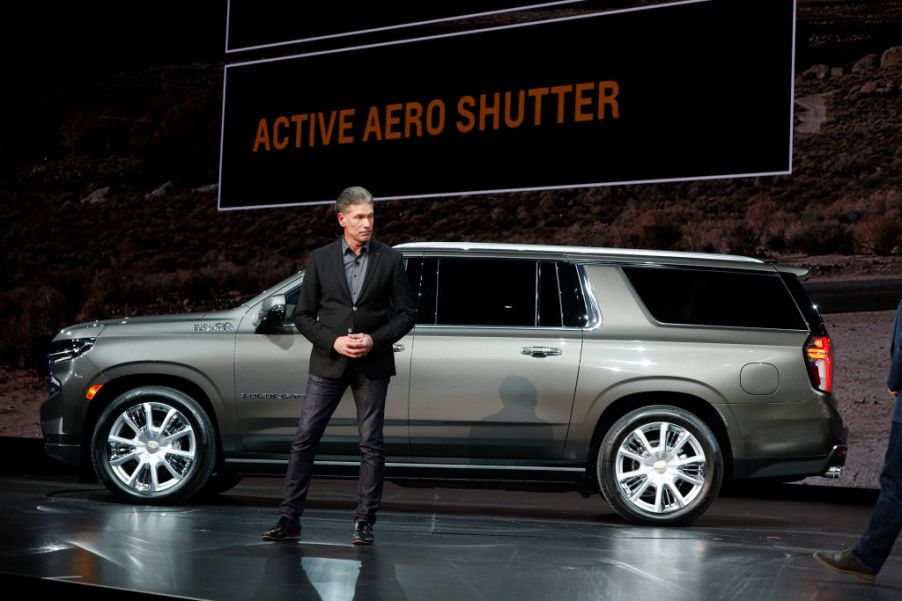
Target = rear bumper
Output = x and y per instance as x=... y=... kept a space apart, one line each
x=787 y=441
x=829 y=466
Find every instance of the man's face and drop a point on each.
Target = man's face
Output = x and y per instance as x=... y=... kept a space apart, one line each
x=357 y=222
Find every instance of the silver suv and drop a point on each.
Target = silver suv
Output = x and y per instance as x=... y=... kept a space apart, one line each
x=652 y=376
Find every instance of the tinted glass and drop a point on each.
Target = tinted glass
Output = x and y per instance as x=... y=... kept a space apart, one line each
x=422 y=273
x=815 y=322
x=573 y=303
x=291 y=303
x=486 y=292
x=549 y=296
x=716 y=298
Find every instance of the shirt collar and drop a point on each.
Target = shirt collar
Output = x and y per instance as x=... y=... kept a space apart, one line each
x=345 y=247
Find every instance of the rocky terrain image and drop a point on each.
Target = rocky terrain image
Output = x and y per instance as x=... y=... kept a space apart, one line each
x=108 y=205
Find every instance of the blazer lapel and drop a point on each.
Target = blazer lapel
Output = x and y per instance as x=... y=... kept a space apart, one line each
x=372 y=262
x=339 y=265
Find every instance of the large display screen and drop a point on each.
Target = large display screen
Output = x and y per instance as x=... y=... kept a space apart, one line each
x=689 y=90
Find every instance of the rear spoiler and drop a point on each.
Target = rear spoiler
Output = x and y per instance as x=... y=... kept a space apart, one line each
x=799 y=272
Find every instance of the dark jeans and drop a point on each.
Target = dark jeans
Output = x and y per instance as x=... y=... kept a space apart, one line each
x=886 y=520
x=323 y=395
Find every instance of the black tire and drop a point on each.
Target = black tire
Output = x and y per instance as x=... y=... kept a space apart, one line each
x=170 y=462
x=646 y=484
x=219 y=483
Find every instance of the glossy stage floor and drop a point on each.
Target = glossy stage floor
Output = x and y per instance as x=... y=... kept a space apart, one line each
x=71 y=540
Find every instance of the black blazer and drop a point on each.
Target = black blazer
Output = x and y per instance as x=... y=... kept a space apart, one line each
x=894 y=380
x=385 y=309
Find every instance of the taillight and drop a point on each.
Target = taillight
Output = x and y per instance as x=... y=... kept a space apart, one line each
x=819 y=355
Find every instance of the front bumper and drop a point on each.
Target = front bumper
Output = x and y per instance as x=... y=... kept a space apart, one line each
x=67 y=454
x=57 y=444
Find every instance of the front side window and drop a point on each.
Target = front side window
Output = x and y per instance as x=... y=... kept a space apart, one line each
x=291 y=303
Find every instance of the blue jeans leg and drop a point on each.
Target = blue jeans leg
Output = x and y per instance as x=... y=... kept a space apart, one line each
x=369 y=397
x=320 y=401
x=876 y=543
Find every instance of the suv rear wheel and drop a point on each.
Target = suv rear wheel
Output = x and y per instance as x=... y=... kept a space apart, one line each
x=659 y=465
x=154 y=444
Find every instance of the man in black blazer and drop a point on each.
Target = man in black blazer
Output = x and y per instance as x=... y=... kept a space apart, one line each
x=354 y=304
x=865 y=559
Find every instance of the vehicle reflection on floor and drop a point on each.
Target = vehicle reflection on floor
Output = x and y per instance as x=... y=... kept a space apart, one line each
x=434 y=544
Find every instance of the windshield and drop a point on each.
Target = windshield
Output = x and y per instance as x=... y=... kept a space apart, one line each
x=296 y=278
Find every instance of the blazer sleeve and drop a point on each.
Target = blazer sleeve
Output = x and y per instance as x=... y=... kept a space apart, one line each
x=404 y=311
x=894 y=380
x=307 y=311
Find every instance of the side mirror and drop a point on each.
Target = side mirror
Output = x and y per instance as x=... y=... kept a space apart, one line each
x=272 y=313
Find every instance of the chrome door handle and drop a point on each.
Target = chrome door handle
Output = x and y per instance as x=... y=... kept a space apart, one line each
x=397 y=347
x=541 y=351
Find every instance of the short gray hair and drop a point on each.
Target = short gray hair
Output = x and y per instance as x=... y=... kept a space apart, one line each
x=354 y=195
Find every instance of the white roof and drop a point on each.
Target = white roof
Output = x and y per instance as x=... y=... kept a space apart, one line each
x=574 y=250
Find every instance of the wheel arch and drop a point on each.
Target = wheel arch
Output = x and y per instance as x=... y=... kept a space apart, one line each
x=688 y=402
x=119 y=385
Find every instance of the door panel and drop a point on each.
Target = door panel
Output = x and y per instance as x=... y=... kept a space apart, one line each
x=474 y=393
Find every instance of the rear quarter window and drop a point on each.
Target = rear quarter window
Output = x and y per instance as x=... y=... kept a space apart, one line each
x=710 y=297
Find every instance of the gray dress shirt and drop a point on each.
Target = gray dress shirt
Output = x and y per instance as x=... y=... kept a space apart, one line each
x=355 y=267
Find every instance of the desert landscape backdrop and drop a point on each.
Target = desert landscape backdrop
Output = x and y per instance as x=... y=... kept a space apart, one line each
x=109 y=164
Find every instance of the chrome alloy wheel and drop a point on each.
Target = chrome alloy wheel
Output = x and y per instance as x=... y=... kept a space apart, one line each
x=151 y=448
x=660 y=467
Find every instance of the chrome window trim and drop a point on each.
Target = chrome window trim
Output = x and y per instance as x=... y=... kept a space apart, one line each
x=536 y=283
x=560 y=295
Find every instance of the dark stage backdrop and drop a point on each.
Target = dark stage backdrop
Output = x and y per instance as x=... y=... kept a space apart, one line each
x=254 y=24
x=111 y=132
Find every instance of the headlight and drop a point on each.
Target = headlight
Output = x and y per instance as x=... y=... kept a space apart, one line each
x=61 y=350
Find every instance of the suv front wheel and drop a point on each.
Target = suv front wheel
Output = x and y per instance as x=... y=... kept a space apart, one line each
x=659 y=465
x=154 y=444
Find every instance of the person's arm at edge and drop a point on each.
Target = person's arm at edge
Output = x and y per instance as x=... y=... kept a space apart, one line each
x=404 y=307
x=894 y=380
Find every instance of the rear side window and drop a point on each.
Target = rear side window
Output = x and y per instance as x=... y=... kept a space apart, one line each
x=709 y=297
x=549 y=296
x=497 y=292
x=573 y=303
x=422 y=274
x=486 y=292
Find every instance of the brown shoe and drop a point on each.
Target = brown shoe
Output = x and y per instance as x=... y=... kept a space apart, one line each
x=844 y=563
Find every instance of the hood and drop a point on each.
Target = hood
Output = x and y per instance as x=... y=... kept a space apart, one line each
x=182 y=322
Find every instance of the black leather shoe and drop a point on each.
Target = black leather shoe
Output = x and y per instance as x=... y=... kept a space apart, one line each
x=844 y=563
x=363 y=533
x=285 y=529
